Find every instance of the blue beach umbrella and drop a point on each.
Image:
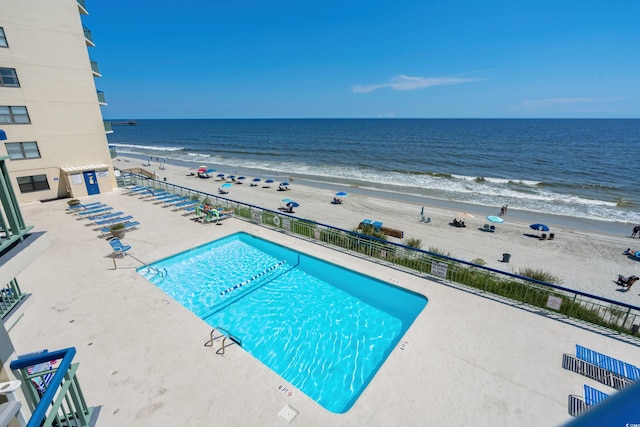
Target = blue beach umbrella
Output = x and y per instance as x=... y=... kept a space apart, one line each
x=539 y=227
x=210 y=170
x=220 y=175
x=293 y=204
x=256 y=180
x=495 y=219
x=341 y=194
x=269 y=181
x=240 y=178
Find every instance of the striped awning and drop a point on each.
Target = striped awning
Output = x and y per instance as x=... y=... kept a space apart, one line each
x=83 y=168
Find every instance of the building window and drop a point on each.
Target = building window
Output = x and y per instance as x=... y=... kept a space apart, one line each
x=22 y=150
x=3 y=38
x=8 y=77
x=29 y=184
x=14 y=115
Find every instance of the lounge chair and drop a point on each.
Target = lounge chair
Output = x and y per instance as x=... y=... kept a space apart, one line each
x=115 y=220
x=127 y=226
x=626 y=281
x=118 y=247
x=103 y=216
x=89 y=212
x=82 y=206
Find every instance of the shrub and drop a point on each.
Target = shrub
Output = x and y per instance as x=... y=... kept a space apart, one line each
x=118 y=226
x=479 y=261
x=413 y=243
x=538 y=274
x=439 y=251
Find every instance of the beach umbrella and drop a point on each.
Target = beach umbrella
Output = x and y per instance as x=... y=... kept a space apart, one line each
x=539 y=227
x=284 y=184
x=240 y=178
x=269 y=181
x=293 y=204
x=202 y=170
x=220 y=175
x=210 y=170
x=495 y=219
x=226 y=185
x=343 y=194
x=232 y=177
x=202 y=167
x=256 y=180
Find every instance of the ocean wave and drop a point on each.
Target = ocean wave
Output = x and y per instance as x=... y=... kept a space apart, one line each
x=145 y=148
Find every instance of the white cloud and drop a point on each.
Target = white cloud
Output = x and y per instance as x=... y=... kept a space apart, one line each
x=403 y=82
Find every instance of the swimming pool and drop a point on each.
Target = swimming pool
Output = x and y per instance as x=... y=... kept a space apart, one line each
x=323 y=328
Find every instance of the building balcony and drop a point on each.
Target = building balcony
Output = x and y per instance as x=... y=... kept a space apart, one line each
x=108 y=127
x=101 y=99
x=52 y=389
x=87 y=37
x=82 y=7
x=95 y=69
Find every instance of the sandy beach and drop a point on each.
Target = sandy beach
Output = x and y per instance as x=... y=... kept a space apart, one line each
x=582 y=259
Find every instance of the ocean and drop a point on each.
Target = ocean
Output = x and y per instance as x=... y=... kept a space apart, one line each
x=574 y=168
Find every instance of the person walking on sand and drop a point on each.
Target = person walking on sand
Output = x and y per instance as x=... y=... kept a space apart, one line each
x=502 y=211
x=636 y=229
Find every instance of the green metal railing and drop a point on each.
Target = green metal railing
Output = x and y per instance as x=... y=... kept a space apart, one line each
x=10 y=296
x=58 y=400
x=580 y=306
x=101 y=97
x=108 y=127
x=94 y=67
x=87 y=34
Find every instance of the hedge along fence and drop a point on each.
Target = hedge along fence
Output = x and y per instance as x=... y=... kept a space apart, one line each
x=602 y=312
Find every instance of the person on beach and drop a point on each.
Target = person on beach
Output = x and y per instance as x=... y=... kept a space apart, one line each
x=635 y=231
x=503 y=210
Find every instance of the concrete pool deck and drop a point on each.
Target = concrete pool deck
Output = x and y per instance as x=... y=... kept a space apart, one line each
x=467 y=359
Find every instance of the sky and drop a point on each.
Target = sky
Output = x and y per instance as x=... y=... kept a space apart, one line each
x=367 y=59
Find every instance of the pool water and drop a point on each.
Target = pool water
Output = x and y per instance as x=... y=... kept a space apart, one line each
x=324 y=329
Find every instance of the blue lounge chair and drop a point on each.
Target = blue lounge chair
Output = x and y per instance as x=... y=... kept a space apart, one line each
x=127 y=226
x=99 y=217
x=137 y=190
x=593 y=396
x=86 y=213
x=175 y=200
x=115 y=220
x=83 y=206
x=118 y=247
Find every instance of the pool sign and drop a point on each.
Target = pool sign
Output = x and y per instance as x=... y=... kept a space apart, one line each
x=439 y=269
x=554 y=302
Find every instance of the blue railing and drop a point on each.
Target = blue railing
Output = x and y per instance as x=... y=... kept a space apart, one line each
x=62 y=401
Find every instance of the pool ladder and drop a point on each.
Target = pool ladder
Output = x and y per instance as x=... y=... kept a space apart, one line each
x=224 y=334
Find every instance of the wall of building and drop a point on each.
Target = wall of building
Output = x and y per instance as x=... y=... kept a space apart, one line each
x=51 y=58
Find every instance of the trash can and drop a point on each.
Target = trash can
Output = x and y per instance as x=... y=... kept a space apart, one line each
x=506 y=257
x=635 y=329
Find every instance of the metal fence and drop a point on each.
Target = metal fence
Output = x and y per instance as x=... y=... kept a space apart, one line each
x=583 y=307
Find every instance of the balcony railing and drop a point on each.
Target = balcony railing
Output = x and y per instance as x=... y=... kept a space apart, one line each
x=10 y=296
x=82 y=7
x=108 y=128
x=101 y=98
x=87 y=36
x=53 y=394
x=95 y=68
x=12 y=226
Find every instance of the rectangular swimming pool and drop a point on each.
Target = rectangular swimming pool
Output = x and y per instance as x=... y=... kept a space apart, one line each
x=323 y=328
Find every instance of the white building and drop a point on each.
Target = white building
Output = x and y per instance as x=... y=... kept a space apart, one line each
x=49 y=106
